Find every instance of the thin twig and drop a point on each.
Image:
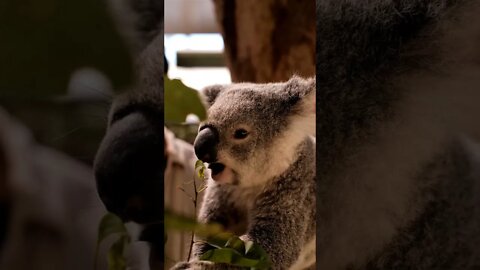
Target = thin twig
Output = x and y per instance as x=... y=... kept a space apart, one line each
x=195 y=208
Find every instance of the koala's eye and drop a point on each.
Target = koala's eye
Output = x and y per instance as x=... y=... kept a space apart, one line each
x=240 y=133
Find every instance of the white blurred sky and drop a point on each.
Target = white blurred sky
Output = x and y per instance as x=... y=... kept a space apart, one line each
x=197 y=77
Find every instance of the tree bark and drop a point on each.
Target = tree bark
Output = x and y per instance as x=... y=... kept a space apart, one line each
x=268 y=40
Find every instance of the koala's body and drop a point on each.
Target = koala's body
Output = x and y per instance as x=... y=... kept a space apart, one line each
x=257 y=141
x=398 y=134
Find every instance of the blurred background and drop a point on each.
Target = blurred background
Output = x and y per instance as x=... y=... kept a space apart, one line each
x=61 y=63
x=58 y=70
x=218 y=42
x=194 y=53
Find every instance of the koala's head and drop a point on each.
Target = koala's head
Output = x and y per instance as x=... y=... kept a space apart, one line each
x=253 y=130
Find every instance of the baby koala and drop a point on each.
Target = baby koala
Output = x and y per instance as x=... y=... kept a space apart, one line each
x=259 y=147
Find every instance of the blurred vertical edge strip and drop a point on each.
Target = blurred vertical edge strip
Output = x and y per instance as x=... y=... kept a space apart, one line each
x=317 y=132
x=129 y=163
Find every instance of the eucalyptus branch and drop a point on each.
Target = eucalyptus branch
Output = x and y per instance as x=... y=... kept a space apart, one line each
x=201 y=175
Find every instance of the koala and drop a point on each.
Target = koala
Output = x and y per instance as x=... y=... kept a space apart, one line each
x=129 y=164
x=398 y=134
x=258 y=145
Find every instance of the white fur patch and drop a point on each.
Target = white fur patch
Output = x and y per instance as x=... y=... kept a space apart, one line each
x=282 y=153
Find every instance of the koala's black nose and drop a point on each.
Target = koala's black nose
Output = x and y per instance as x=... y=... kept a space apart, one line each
x=205 y=144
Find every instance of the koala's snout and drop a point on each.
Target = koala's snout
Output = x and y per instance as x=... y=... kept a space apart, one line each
x=205 y=144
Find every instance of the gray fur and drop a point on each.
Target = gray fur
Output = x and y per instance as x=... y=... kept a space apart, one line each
x=139 y=21
x=445 y=234
x=275 y=210
x=397 y=119
x=267 y=106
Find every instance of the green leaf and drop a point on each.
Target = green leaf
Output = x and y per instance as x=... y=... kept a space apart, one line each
x=201 y=173
x=110 y=224
x=241 y=253
x=116 y=260
x=242 y=261
x=224 y=255
x=183 y=223
x=255 y=251
x=219 y=240
x=179 y=222
x=228 y=256
x=185 y=99
x=236 y=243
x=227 y=248
x=248 y=246
x=199 y=164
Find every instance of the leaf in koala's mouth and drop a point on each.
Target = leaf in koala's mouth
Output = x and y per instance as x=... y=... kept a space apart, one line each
x=216 y=167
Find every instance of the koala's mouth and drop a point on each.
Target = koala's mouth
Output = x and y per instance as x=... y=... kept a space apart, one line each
x=216 y=168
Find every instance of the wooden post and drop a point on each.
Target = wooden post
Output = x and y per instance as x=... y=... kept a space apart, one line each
x=268 y=40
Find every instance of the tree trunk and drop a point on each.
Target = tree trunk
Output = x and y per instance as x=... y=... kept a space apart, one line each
x=268 y=40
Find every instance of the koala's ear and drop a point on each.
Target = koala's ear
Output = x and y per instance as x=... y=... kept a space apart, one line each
x=303 y=93
x=210 y=93
x=309 y=100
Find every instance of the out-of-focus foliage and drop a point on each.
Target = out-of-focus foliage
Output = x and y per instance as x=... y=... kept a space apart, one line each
x=44 y=41
x=226 y=247
x=235 y=251
x=184 y=131
x=113 y=225
x=181 y=100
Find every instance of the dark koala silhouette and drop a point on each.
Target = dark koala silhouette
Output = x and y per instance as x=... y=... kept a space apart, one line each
x=397 y=134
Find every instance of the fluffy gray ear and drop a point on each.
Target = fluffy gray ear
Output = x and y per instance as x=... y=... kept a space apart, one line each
x=310 y=95
x=210 y=93
x=302 y=93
